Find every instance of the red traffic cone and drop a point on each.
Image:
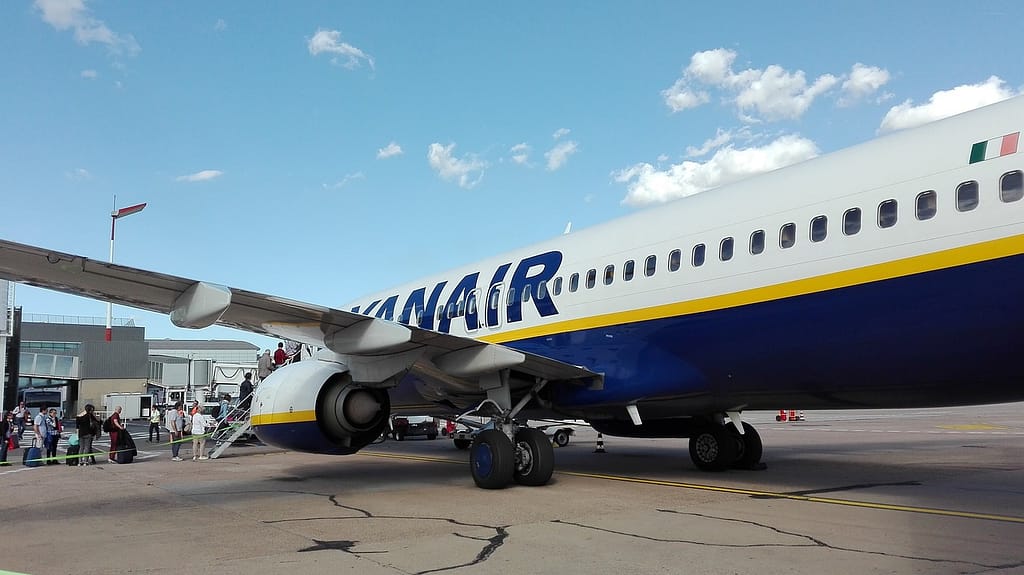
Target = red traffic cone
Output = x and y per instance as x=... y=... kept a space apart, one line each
x=781 y=416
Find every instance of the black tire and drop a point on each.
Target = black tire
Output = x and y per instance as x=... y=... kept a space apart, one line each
x=751 y=448
x=462 y=443
x=714 y=448
x=432 y=436
x=492 y=460
x=536 y=460
x=562 y=437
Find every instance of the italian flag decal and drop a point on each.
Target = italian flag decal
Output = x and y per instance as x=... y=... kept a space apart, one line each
x=995 y=148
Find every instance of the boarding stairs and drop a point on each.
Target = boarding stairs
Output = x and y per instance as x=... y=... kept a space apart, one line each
x=238 y=424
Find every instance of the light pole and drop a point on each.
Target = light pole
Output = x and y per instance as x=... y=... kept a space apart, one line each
x=114 y=216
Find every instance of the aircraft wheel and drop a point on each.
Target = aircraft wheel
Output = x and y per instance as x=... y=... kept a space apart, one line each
x=713 y=449
x=492 y=459
x=750 y=448
x=462 y=443
x=562 y=437
x=535 y=459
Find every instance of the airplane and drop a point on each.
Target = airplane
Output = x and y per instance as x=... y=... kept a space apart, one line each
x=886 y=275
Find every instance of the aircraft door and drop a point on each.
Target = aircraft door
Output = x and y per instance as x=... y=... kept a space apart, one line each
x=492 y=312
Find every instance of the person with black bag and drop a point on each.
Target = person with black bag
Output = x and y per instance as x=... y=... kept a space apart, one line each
x=6 y=431
x=88 y=429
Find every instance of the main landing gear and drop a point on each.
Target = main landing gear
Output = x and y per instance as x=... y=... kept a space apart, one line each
x=719 y=445
x=507 y=451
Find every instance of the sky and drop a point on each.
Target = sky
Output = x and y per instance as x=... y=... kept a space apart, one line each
x=324 y=150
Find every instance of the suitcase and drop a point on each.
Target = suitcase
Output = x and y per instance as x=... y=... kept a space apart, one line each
x=72 y=458
x=13 y=442
x=124 y=456
x=31 y=457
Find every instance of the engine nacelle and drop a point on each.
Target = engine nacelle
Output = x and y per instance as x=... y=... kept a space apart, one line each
x=313 y=406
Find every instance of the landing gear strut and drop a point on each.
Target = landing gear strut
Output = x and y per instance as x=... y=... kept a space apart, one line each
x=508 y=451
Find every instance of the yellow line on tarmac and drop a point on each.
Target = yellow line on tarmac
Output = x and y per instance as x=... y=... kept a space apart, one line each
x=741 y=491
x=811 y=499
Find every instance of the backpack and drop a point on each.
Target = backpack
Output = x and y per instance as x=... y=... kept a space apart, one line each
x=108 y=425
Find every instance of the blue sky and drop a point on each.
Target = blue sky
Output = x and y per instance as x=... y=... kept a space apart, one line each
x=323 y=150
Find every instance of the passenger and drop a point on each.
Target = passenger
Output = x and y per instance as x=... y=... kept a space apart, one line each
x=54 y=429
x=154 y=424
x=293 y=350
x=116 y=428
x=224 y=407
x=175 y=421
x=198 y=436
x=280 y=356
x=41 y=427
x=245 y=392
x=264 y=366
x=7 y=429
x=19 y=418
x=89 y=427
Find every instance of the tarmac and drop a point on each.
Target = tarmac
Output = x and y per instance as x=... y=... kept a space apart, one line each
x=908 y=491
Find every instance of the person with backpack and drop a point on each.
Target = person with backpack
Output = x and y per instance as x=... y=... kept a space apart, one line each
x=54 y=431
x=113 y=426
x=88 y=428
x=175 y=422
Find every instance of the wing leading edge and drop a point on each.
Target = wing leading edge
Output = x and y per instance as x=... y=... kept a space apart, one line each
x=359 y=340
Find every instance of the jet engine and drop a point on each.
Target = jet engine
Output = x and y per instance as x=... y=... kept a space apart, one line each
x=314 y=406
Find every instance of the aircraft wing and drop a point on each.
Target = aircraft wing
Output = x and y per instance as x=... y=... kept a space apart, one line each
x=196 y=304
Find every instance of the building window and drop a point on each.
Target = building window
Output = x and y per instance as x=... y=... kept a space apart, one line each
x=1011 y=186
x=609 y=274
x=574 y=283
x=787 y=235
x=591 y=278
x=627 y=270
x=757 y=242
x=926 y=205
x=698 y=255
x=819 y=228
x=650 y=265
x=851 y=221
x=887 y=214
x=556 y=286
x=725 y=249
x=674 y=258
x=967 y=196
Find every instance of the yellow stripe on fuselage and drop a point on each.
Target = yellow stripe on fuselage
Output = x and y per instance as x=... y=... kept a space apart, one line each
x=950 y=258
x=287 y=417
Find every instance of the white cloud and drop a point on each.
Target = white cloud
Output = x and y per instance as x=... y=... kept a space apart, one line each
x=388 y=151
x=520 y=153
x=862 y=82
x=560 y=132
x=451 y=168
x=329 y=42
x=220 y=25
x=344 y=181
x=559 y=155
x=648 y=185
x=946 y=103
x=773 y=93
x=74 y=15
x=202 y=176
x=79 y=175
x=89 y=74
x=721 y=138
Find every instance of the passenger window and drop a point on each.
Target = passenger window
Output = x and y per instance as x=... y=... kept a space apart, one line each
x=1011 y=186
x=609 y=274
x=851 y=221
x=967 y=196
x=698 y=255
x=757 y=242
x=574 y=283
x=471 y=304
x=627 y=270
x=926 y=205
x=674 y=257
x=542 y=290
x=650 y=265
x=819 y=228
x=495 y=297
x=511 y=296
x=556 y=287
x=887 y=214
x=787 y=235
x=725 y=249
x=591 y=278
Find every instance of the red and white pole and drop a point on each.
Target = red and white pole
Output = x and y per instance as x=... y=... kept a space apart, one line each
x=114 y=215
